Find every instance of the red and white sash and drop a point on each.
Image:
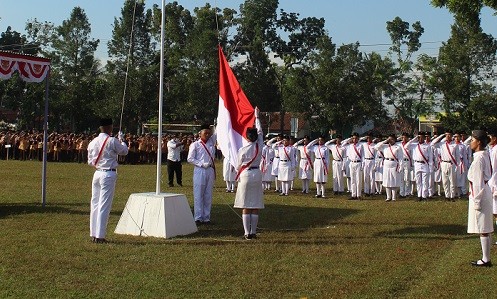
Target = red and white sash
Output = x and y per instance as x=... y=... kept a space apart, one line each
x=324 y=161
x=100 y=152
x=422 y=155
x=309 y=162
x=210 y=156
x=245 y=166
x=450 y=154
x=357 y=152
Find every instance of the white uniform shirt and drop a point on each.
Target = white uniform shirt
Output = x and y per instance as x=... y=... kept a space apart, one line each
x=355 y=152
x=174 y=148
x=108 y=157
x=200 y=153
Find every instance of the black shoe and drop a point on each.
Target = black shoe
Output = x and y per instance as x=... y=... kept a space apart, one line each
x=317 y=196
x=100 y=240
x=481 y=263
x=198 y=222
x=248 y=237
x=420 y=198
x=253 y=236
x=281 y=194
x=179 y=184
x=352 y=198
x=207 y=222
x=171 y=185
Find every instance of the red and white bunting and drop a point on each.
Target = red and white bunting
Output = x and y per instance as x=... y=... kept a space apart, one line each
x=30 y=68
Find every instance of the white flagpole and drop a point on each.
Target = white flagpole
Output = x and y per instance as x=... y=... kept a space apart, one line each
x=161 y=87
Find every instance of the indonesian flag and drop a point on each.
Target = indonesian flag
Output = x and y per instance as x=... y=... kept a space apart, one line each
x=235 y=113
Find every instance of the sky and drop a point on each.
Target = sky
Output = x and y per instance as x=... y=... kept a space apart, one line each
x=347 y=21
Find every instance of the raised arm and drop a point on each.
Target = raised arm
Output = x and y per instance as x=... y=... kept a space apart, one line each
x=380 y=144
x=312 y=143
x=436 y=140
x=270 y=141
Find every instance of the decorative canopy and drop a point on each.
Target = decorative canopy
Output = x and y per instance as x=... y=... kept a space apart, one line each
x=30 y=68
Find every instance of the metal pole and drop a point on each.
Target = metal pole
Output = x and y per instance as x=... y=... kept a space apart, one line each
x=45 y=138
x=161 y=87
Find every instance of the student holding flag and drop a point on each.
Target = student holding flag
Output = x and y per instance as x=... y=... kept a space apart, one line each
x=249 y=194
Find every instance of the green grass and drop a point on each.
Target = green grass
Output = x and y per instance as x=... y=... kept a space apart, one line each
x=326 y=248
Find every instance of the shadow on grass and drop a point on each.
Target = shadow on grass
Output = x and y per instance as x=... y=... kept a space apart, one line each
x=226 y=222
x=444 y=231
x=12 y=209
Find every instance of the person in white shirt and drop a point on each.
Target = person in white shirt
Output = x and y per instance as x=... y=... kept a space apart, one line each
x=306 y=168
x=422 y=156
x=338 y=155
x=480 y=196
x=492 y=149
x=174 y=148
x=355 y=154
x=321 y=164
x=407 y=166
x=450 y=159
x=461 y=173
x=392 y=165
x=249 y=194
x=275 y=144
x=201 y=154
x=266 y=166
x=229 y=174
x=369 y=165
x=286 y=165
x=103 y=152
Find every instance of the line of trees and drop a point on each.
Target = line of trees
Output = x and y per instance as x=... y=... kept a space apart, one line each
x=284 y=63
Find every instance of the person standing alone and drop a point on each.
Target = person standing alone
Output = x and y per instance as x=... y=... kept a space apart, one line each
x=174 y=148
x=102 y=154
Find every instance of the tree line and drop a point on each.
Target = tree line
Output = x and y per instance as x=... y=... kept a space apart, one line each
x=284 y=63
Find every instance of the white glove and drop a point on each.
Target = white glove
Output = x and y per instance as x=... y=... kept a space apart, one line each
x=206 y=165
x=120 y=136
x=477 y=206
x=256 y=112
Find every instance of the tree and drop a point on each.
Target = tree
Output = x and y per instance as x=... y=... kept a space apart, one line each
x=273 y=45
x=408 y=95
x=74 y=64
x=133 y=53
x=467 y=66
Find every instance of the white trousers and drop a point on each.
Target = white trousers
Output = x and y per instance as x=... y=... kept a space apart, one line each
x=422 y=184
x=355 y=179
x=449 y=179
x=102 y=194
x=338 y=176
x=405 y=183
x=369 y=176
x=203 y=182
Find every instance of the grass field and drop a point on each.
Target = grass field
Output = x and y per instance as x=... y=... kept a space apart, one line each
x=307 y=247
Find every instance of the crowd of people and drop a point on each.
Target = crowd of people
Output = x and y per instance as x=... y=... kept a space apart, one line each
x=72 y=147
x=423 y=167
x=451 y=165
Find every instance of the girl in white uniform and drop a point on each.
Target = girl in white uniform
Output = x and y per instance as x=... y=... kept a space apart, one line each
x=480 y=196
x=249 y=194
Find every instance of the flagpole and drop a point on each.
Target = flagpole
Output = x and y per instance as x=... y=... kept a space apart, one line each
x=161 y=90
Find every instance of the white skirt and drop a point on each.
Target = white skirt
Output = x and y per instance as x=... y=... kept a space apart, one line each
x=249 y=194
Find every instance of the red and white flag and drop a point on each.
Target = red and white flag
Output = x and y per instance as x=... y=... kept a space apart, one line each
x=235 y=113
